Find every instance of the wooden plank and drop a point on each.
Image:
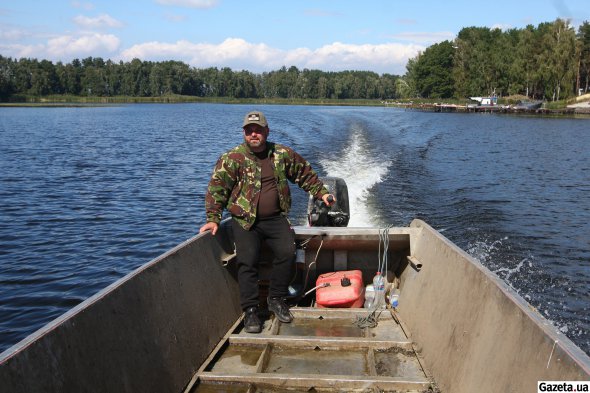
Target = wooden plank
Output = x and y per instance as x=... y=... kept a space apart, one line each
x=371 y=362
x=263 y=360
x=308 y=381
x=313 y=341
x=335 y=313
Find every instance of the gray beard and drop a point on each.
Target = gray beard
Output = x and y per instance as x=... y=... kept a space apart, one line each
x=256 y=146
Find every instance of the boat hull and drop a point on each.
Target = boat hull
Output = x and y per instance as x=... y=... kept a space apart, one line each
x=156 y=328
x=147 y=332
x=474 y=332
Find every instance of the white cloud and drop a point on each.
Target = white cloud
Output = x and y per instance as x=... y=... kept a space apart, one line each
x=101 y=21
x=158 y=50
x=203 y=4
x=390 y=57
x=202 y=54
x=240 y=54
x=89 y=44
x=18 y=51
x=66 y=48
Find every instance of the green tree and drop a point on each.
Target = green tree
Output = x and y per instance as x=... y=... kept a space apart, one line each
x=245 y=85
x=406 y=85
x=135 y=79
x=559 y=67
x=69 y=76
x=43 y=78
x=523 y=68
x=159 y=80
x=93 y=79
x=323 y=88
x=388 y=86
x=502 y=59
x=6 y=78
x=583 y=37
x=474 y=72
x=433 y=71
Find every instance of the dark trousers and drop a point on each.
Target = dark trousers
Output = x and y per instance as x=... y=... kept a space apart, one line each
x=279 y=236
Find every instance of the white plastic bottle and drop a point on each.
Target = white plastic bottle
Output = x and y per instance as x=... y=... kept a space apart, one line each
x=379 y=287
x=369 y=296
x=394 y=297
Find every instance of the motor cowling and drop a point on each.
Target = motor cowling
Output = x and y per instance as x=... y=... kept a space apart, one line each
x=338 y=214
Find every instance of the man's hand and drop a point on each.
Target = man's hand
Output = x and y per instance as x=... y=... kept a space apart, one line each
x=210 y=226
x=329 y=199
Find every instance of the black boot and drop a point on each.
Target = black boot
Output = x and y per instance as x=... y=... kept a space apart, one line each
x=252 y=323
x=278 y=306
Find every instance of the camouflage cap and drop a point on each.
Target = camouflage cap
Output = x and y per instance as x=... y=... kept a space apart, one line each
x=255 y=117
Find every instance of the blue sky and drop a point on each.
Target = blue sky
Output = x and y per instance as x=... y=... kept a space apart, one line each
x=330 y=35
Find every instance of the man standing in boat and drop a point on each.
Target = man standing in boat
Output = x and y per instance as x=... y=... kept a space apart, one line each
x=251 y=182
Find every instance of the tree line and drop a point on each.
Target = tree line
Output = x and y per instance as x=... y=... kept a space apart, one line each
x=547 y=62
x=137 y=78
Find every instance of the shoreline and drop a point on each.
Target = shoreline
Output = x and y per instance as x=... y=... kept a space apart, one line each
x=88 y=102
x=499 y=109
x=65 y=101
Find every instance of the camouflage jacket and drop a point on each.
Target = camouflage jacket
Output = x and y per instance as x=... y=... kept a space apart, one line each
x=236 y=182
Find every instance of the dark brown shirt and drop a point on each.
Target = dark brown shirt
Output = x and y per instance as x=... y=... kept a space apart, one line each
x=268 y=204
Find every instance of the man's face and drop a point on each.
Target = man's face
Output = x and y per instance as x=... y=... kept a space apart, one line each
x=255 y=136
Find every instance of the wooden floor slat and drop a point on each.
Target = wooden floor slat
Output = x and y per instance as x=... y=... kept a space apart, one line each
x=318 y=381
x=312 y=341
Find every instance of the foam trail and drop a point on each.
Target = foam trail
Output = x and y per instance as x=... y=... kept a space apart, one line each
x=510 y=271
x=361 y=168
x=486 y=253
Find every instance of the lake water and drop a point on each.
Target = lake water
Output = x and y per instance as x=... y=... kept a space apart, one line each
x=89 y=194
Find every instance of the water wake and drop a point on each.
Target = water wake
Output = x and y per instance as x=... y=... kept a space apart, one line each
x=543 y=292
x=488 y=252
x=361 y=167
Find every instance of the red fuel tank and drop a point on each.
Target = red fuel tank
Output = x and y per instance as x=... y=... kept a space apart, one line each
x=337 y=295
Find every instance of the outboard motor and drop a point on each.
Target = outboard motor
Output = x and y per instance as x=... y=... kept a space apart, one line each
x=320 y=215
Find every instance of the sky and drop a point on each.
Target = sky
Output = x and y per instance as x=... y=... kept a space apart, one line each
x=260 y=36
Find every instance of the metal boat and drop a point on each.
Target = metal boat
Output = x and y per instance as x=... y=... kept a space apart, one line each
x=527 y=105
x=175 y=325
